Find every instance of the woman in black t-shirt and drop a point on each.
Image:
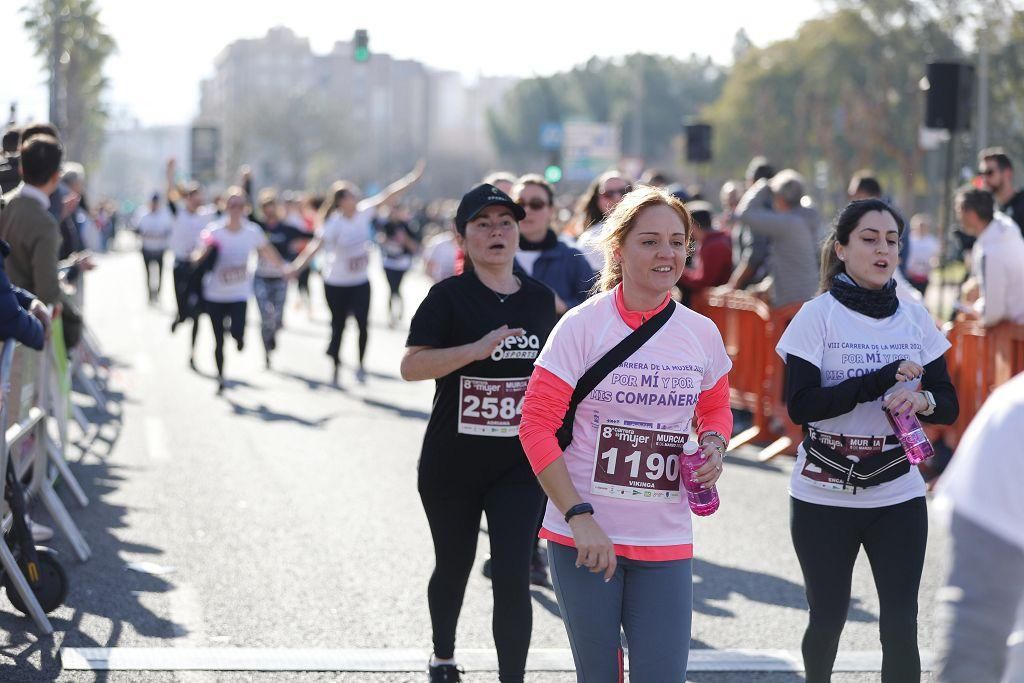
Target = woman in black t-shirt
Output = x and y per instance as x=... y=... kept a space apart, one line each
x=477 y=334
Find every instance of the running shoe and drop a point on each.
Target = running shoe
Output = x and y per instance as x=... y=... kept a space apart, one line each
x=444 y=673
x=361 y=376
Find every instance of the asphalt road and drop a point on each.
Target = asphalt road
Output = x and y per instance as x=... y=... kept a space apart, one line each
x=284 y=514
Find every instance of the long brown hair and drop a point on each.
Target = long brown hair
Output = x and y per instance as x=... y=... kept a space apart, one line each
x=587 y=210
x=339 y=190
x=622 y=220
x=843 y=226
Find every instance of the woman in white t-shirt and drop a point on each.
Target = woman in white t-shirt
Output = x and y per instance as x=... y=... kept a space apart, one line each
x=345 y=234
x=620 y=538
x=851 y=352
x=231 y=244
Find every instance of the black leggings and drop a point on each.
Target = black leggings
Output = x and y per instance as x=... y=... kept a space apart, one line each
x=150 y=259
x=343 y=302
x=827 y=540
x=232 y=312
x=394 y=285
x=182 y=274
x=511 y=510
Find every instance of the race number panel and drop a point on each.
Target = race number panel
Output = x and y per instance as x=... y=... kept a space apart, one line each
x=234 y=275
x=639 y=464
x=491 y=406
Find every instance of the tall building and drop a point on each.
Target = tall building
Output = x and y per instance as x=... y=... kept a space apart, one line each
x=301 y=119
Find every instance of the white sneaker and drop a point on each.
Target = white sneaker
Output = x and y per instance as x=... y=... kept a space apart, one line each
x=40 y=532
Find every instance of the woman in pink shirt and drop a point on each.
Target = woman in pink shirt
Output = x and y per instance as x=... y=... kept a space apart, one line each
x=617 y=523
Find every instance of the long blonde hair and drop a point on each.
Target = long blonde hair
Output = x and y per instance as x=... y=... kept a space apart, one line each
x=621 y=221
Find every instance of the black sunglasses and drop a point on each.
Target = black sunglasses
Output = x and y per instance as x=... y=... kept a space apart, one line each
x=608 y=194
x=534 y=204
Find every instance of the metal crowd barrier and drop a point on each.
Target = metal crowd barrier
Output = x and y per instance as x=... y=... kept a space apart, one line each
x=27 y=383
x=88 y=365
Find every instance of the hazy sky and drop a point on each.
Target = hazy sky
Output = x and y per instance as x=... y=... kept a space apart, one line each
x=162 y=54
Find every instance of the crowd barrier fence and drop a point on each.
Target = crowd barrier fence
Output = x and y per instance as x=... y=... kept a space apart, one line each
x=979 y=360
x=27 y=383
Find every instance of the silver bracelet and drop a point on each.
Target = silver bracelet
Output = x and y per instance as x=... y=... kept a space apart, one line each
x=725 y=442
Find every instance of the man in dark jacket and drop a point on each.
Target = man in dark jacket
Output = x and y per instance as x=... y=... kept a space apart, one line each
x=22 y=316
x=996 y=171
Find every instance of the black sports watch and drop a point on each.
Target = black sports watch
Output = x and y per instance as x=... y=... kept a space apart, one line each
x=579 y=509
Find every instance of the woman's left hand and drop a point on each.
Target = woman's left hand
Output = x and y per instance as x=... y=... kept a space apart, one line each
x=709 y=473
x=905 y=401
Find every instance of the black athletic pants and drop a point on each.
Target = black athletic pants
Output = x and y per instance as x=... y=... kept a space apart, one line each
x=511 y=510
x=231 y=313
x=343 y=302
x=182 y=274
x=827 y=540
x=394 y=286
x=150 y=259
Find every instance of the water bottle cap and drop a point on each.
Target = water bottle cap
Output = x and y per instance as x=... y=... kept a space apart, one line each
x=690 y=448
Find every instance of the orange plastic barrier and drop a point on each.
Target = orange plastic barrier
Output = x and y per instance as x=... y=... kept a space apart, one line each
x=750 y=330
x=979 y=360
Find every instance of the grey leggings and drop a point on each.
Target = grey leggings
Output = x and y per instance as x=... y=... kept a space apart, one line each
x=651 y=601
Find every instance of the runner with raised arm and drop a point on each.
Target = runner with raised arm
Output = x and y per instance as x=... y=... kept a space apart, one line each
x=345 y=234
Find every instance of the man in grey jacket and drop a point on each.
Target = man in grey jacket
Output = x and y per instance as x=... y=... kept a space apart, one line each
x=794 y=231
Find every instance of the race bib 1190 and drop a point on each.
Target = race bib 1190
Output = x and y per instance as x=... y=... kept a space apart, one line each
x=636 y=463
x=491 y=406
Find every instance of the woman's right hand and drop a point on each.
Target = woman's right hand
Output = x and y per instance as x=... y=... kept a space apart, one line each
x=490 y=341
x=595 y=550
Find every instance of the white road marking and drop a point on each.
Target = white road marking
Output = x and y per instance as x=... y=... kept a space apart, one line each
x=557 y=660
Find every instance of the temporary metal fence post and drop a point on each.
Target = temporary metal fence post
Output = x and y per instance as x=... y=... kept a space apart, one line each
x=7 y=559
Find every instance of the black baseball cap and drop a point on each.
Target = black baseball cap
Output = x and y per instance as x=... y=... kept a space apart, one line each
x=478 y=199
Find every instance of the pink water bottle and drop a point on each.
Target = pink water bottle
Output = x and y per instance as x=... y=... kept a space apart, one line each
x=911 y=434
x=703 y=502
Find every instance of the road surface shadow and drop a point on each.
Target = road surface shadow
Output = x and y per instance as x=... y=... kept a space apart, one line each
x=398 y=410
x=314 y=384
x=101 y=586
x=714 y=584
x=264 y=412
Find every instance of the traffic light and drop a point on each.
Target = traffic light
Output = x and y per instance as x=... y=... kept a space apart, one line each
x=553 y=171
x=361 y=46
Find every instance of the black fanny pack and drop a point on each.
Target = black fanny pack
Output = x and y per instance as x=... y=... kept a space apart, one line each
x=864 y=472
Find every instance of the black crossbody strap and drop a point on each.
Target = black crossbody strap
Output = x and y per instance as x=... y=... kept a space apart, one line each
x=608 y=362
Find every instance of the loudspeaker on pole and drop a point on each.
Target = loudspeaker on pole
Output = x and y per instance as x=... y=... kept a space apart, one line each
x=949 y=96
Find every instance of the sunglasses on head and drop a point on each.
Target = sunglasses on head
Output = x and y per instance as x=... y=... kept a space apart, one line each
x=618 y=192
x=534 y=204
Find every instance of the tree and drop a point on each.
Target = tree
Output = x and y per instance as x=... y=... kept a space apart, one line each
x=844 y=92
x=69 y=35
x=663 y=91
